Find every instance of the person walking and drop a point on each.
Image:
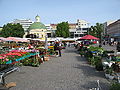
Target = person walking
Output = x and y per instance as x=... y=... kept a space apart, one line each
x=57 y=48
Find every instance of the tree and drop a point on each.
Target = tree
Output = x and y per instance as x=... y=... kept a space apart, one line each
x=12 y=30
x=63 y=30
x=97 y=31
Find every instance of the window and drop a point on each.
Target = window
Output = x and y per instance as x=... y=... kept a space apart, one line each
x=81 y=35
x=84 y=28
x=49 y=35
x=76 y=35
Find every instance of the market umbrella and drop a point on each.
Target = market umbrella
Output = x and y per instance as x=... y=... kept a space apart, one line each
x=5 y=39
x=89 y=37
x=17 y=39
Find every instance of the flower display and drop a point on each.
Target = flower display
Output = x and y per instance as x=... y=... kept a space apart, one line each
x=11 y=56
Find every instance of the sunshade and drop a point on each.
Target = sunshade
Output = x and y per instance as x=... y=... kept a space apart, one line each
x=89 y=37
x=16 y=39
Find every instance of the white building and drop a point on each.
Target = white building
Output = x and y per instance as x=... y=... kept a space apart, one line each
x=25 y=24
x=50 y=30
x=48 y=26
x=80 y=29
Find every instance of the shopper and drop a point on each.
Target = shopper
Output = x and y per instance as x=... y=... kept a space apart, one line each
x=57 y=48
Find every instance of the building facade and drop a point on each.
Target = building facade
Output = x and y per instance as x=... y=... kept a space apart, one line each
x=38 y=29
x=114 y=29
x=105 y=25
x=81 y=29
x=77 y=29
x=0 y=28
x=50 y=30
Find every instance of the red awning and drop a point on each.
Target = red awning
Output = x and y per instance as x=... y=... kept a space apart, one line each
x=89 y=37
x=16 y=39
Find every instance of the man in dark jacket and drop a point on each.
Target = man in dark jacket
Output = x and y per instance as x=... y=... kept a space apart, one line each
x=57 y=47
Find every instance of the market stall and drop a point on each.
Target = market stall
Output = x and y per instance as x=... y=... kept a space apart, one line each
x=31 y=53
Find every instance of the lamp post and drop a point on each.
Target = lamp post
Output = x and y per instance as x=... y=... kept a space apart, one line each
x=46 y=42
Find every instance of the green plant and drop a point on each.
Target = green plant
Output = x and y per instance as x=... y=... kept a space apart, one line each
x=109 y=70
x=27 y=62
x=99 y=66
x=115 y=86
x=92 y=61
x=88 y=54
x=95 y=60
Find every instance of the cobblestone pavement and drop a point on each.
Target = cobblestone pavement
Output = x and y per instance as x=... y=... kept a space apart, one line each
x=108 y=47
x=69 y=72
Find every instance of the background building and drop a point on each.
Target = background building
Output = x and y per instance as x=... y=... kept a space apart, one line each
x=0 y=30
x=77 y=29
x=25 y=24
x=50 y=30
x=105 y=26
x=114 y=29
x=80 y=29
x=38 y=29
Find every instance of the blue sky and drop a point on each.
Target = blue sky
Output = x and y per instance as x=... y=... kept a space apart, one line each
x=55 y=11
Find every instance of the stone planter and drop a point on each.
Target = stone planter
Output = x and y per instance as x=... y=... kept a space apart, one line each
x=111 y=77
x=107 y=75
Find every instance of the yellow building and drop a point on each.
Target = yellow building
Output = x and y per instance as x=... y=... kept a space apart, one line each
x=1 y=28
x=38 y=29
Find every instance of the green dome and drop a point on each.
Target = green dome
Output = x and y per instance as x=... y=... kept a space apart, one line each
x=37 y=25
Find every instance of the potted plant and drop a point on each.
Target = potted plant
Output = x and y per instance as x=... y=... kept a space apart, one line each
x=98 y=65
x=115 y=86
x=109 y=72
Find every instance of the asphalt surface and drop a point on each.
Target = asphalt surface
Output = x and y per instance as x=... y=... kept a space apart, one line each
x=69 y=72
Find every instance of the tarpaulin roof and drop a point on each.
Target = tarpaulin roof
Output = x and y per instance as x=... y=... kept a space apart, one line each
x=5 y=39
x=89 y=37
x=17 y=39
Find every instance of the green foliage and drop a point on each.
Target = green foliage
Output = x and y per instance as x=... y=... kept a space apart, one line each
x=108 y=70
x=63 y=30
x=95 y=60
x=115 y=86
x=88 y=54
x=98 y=64
x=27 y=62
x=98 y=49
x=12 y=30
x=96 y=30
x=99 y=67
x=92 y=48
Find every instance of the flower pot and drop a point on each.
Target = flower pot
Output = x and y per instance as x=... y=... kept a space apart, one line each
x=111 y=77
x=107 y=75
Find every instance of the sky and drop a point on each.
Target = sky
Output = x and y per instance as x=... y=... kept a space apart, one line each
x=56 y=11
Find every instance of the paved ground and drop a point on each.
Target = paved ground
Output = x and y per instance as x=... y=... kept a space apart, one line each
x=69 y=72
x=108 y=47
